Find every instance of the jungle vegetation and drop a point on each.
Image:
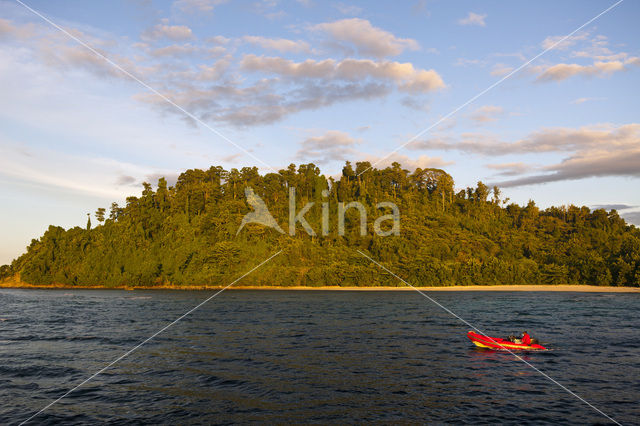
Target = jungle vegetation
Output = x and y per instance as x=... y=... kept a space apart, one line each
x=186 y=235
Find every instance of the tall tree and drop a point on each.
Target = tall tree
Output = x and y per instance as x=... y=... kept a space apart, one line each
x=114 y=211
x=100 y=214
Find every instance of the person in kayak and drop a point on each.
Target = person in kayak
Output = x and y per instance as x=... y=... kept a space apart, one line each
x=525 y=339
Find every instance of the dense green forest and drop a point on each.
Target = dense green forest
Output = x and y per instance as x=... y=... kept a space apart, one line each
x=186 y=235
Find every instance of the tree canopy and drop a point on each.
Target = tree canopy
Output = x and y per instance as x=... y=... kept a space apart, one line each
x=186 y=235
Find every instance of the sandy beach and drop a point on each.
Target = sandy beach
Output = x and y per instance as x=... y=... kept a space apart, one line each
x=576 y=288
x=563 y=287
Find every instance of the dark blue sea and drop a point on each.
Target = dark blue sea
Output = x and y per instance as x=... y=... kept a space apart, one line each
x=315 y=357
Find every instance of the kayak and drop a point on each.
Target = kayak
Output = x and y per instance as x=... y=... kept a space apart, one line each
x=501 y=344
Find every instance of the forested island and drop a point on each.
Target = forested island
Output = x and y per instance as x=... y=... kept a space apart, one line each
x=187 y=235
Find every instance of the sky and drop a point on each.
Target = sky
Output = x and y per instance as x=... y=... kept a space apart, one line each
x=98 y=97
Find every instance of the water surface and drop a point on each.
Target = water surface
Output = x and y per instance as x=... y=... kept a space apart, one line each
x=315 y=356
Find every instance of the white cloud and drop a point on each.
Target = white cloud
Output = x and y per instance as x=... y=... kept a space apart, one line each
x=260 y=103
x=613 y=207
x=213 y=72
x=473 y=19
x=604 y=150
x=563 y=42
x=73 y=57
x=605 y=61
x=463 y=62
x=174 y=50
x=8 y=29
x=555 y=139
x=500 y=70
x=338 y=146
x=75 y=173
x=585 y=165
x=511 y=169
x=53 y=103
x=231 y=158
x=632 y=217
x=164 y=30
x=331 y=139
x=561 y=72
x=411 y=163
x=486 y=114
x=333 y=145
x=583 y=100
x=415 y=103
x=595 y=47
x=404 y=75
x=348 y=9
x=194 y=6
x=366 y=39
x=279 y=44
x=218 y=40
x=274 y=88
x=420 y=7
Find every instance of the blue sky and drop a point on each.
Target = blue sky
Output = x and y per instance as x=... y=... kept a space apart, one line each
x=311 y=81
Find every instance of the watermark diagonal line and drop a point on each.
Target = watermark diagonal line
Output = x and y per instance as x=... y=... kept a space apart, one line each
x=484 y=334
x=497 y=83
x=145 y=85
x=130 y=351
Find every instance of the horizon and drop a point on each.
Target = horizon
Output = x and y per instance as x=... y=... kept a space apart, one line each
x=306 y=82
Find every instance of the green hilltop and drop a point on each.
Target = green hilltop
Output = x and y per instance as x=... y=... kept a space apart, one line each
x=185 y=235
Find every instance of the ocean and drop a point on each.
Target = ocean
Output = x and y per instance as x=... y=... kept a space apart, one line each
x=315 y=357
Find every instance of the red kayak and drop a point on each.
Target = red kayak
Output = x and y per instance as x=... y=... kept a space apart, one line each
x=501 y=344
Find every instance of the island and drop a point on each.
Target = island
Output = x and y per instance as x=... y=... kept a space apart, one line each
x=418 y=225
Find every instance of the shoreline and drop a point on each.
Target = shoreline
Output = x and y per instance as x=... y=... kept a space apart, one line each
x=516 y=287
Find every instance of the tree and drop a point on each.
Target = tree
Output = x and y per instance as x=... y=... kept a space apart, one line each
x=100 y=214
x=481 y=192
x=496 y=196
x=114 y=211
x=88 y=221
x=444 y=187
